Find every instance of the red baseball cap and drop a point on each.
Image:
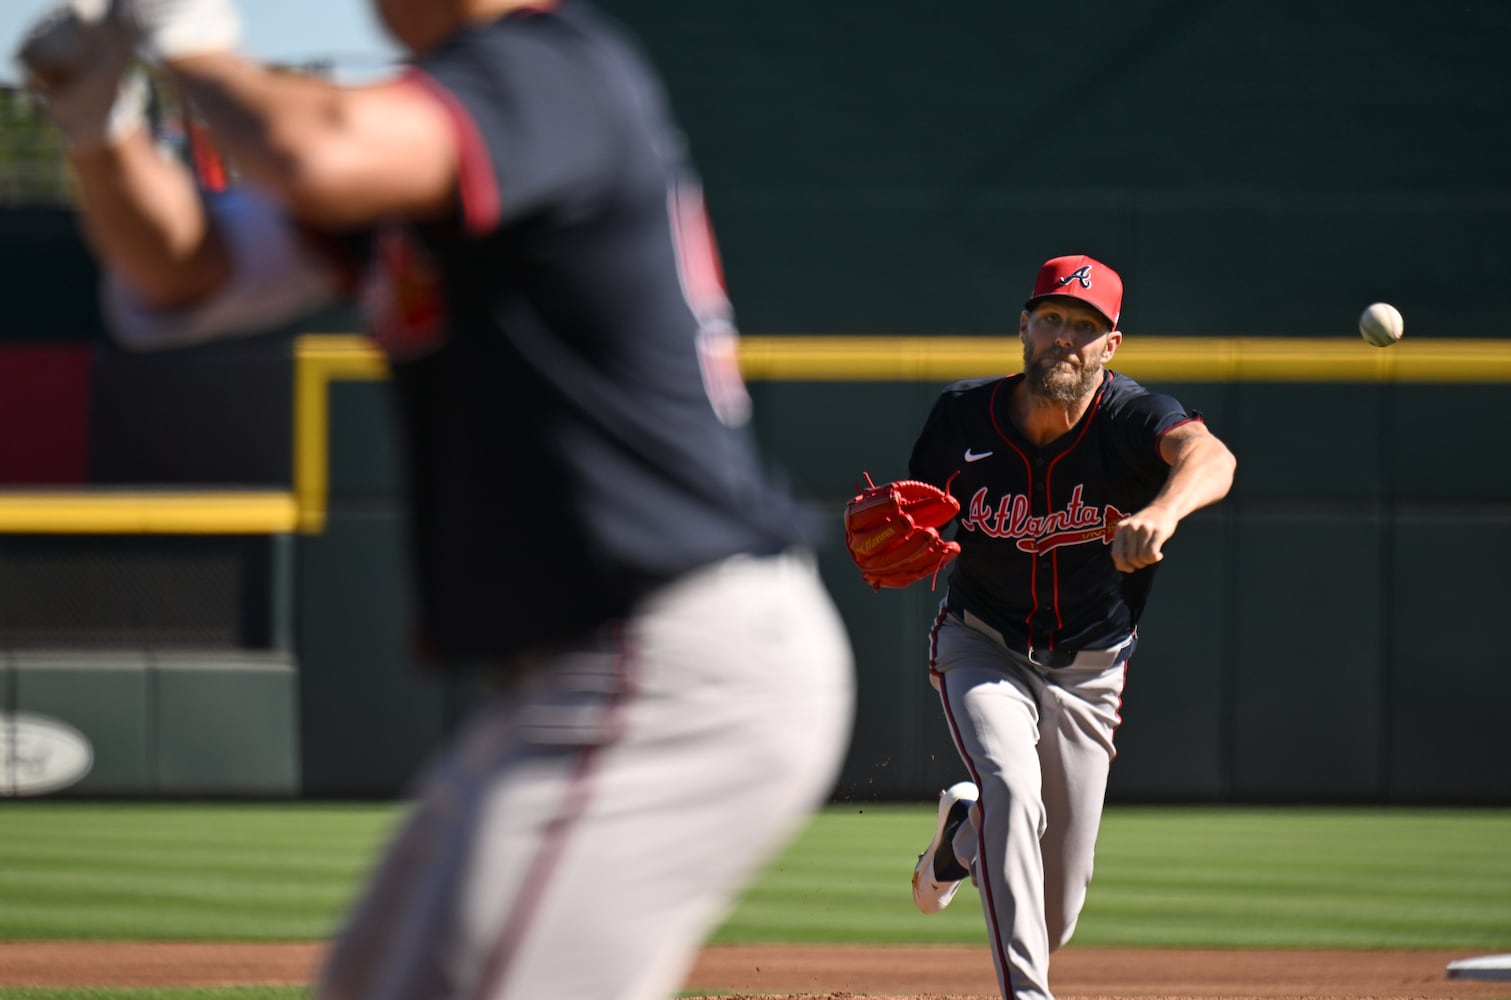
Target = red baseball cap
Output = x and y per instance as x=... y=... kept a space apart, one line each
x=1080 y=277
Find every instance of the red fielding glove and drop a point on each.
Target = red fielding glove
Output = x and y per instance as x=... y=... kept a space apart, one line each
x=893 y=532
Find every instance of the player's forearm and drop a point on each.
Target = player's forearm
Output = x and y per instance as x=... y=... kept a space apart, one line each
x=1200 y=474
x=143 y=217
x=276 y=127
x=333 y=157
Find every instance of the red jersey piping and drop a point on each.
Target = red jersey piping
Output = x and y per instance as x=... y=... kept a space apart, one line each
x=482 y=204
x=1054 y=555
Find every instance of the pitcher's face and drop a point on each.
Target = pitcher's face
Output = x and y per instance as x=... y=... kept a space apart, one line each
x=1065 y=346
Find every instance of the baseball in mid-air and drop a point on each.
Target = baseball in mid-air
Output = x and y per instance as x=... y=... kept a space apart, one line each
x=1381 y=324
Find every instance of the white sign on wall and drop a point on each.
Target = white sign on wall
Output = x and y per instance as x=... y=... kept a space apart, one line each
x=40 y=754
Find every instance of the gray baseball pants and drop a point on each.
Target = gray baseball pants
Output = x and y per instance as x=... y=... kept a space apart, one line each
x=1038 y=744
x=598 y=818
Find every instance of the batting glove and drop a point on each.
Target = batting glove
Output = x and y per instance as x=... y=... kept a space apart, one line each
x=177 y=29
x=77 y=57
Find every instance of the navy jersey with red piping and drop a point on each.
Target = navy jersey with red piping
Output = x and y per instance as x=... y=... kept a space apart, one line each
x=1035 y=524
x=562 y=349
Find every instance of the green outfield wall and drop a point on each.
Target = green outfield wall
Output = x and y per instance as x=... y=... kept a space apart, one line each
x=1330 y=632
x=1316 y=637
x=218 y=532
x=1253 y=169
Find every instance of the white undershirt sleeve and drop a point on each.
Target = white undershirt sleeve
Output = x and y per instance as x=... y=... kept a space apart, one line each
x=276 y=277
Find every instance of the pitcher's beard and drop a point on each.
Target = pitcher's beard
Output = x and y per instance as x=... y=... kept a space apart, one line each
x=1048 y=381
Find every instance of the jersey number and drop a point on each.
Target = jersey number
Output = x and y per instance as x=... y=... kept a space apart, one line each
x=702 y=278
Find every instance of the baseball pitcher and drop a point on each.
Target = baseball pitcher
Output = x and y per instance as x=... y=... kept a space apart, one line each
x=1064 y=483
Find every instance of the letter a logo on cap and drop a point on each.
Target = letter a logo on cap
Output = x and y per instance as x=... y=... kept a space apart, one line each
x=1070 y=277
x=1081 y=274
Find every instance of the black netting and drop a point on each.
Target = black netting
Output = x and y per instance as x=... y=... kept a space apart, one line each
x=87 y=591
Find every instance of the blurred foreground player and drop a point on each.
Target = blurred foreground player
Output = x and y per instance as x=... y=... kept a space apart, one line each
x=591 y=528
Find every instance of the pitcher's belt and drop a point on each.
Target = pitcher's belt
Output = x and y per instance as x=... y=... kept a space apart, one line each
x=1057 y=659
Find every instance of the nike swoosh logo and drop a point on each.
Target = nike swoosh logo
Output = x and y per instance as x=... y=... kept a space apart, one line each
x=971 y=456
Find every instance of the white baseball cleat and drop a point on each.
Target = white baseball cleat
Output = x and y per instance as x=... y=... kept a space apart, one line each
x=938 y=875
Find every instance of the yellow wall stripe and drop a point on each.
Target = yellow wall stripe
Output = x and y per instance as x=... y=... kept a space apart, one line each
x=1169 y=359
x=321 y=359
x=934 y=359
x=136 y=513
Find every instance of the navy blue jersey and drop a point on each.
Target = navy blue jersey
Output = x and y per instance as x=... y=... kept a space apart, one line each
x=1035 y=525
x=562 y=350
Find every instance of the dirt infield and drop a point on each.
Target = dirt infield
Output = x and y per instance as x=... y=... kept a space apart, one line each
x=829 y=973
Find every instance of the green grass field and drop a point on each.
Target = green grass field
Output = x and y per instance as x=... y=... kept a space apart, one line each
x=1220 y=878
x=1166 y=877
